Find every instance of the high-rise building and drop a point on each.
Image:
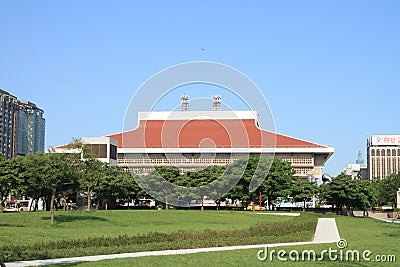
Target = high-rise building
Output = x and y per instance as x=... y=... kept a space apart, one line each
x=383 y=155
x=31 y=128
x=22 y=126
x=8 y=124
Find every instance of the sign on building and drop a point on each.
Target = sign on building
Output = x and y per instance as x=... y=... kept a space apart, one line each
x=385 y=140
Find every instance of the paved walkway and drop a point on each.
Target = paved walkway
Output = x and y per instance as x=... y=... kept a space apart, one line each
x=388 y=220
x=326 y=232
x=293 y=214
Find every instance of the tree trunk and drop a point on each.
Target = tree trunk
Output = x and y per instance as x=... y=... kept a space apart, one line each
x=166 y=200
x=36 y=208
x=269 y=204
x=2 y=264
x=348 y=211
x=31 y=205
x=46 y=201
x=1 y=207
x=304 y=205
x=89 y=199
x=53 y=195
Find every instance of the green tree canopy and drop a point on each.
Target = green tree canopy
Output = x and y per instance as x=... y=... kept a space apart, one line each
x=352 y=194
x=386 y=189
x=302 y=190
x=9 y=178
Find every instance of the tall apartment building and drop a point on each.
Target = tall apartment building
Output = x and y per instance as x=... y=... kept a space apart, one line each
x=383 y=155
x=22 y=126
x=8 y=124
x=31 y=128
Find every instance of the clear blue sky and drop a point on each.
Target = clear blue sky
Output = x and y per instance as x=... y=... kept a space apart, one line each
x=330 y=70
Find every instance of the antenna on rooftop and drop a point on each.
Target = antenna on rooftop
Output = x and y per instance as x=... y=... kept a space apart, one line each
x=216 y=102
x=185 y=102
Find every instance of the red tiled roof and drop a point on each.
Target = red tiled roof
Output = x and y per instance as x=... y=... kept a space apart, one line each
x=205 y=133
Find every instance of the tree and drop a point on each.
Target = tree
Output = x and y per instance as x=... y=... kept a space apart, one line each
x=60 y=177
x=386 y=189
x=302 y=190
x=92 y=173
x=348 y=193
x=278 y=181
x=204 y=183
x=243 y=169
x=46 y=175
x=34 y=170
x=276 y=175
x=8 y=179
x=116 y=183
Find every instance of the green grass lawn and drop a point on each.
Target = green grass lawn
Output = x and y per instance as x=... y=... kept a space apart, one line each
x=361 y=234
x=16 y=228
x=29 y=235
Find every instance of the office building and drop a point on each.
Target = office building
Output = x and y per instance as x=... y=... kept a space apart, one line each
x=383 y=155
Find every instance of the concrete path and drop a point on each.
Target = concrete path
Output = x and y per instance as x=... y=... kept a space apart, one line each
x=280 y=214
x=389 y=220
x=326 y=232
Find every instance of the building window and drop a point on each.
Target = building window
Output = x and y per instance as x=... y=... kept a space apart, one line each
x=99 y=150
x=113 y=152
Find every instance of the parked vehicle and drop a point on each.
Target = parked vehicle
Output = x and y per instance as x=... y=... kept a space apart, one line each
x=256 y=207
x=11 y=206
x=23 y=205
x=147 y=203
x=16 y=205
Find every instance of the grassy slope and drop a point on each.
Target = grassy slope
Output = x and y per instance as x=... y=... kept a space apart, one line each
x=360 y=233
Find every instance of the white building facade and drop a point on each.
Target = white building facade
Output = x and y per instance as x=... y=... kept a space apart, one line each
x=383 y=155
x=104 y=148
